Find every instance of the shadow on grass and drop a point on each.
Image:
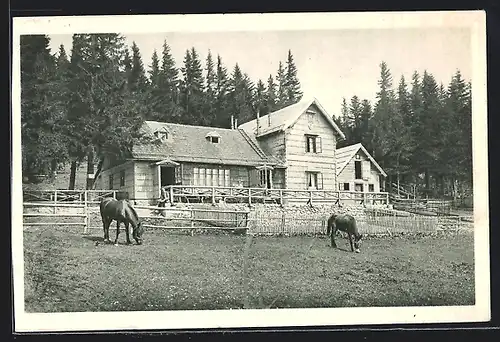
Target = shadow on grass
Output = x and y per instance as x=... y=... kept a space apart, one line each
x=94 y=238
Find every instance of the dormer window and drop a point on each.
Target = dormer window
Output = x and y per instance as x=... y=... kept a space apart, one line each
x=213 y=137
x=161 y=134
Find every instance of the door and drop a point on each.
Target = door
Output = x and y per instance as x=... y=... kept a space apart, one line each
x=167 y=176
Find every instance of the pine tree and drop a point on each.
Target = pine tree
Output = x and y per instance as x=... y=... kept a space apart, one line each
x=137 y=80
x=365 y=125
x=383 y=111
x=457 y=150
x=241 y=96
x=281 y=92
x=166 y=102
x=192 y=88
x=210 y=92
x=270 y=96
x=260 y=97
x=221 y=94
x=429 y=128
x=102 y=113
x=355 y=117
x=43 y=146
x=154 y=70
x=292 y=84
x=346 y=124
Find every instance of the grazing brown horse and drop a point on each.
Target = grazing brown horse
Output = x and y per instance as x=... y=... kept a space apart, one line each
x=345 y=223
x=120 y=211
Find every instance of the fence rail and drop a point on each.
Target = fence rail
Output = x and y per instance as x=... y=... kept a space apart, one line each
x=180 y=193
x=152 y=216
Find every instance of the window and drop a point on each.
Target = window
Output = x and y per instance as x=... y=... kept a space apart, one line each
x=313 y=144
x=357 y=169
x=213 y=137
x=162 y=135
x=314 y=180
x=371 y=188
x=346 y=186
x=221 y=177
x=265 y=178
x=358 y=187
x=202 y=177
x=110 y=182
x=178 y=175
x=227 y=178
x=196 y=176
x=122 y=178
x=210 y=177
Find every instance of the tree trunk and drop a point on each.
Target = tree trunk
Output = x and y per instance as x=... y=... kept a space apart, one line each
x=72 y=175
x=427 y=182
x=90 y=168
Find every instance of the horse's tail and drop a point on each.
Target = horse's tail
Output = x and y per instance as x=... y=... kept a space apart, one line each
x=329 y=224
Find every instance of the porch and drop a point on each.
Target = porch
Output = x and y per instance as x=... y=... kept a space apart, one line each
x=216 y=194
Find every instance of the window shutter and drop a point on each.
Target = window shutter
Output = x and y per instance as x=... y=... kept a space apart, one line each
x=319 y=147
x=306 y=138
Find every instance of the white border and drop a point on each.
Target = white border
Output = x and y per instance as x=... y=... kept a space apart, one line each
x=475 y=20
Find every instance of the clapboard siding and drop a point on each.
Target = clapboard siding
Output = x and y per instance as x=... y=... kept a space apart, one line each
x=103 y=181
x=347 y=175
x=299 y=161
x=274 y=145
x=146 y=176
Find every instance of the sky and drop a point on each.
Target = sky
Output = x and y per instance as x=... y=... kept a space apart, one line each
x=331 y=63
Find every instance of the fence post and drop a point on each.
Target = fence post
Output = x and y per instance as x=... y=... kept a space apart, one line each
x=213 y=194
x=171 y=191
x=281 y=196
x=310 y=197
x=85 y=211
x=55 y=201
x=249 y=196
x=283 y=223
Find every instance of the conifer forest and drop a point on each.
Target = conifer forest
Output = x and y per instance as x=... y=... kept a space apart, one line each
x=83 y=104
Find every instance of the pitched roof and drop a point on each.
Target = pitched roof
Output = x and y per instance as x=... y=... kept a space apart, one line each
x=286 y=117
x=344 y=155
x=189 y=144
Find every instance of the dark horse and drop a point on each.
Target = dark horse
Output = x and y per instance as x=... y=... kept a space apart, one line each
x=120 y=211
x=345 y=223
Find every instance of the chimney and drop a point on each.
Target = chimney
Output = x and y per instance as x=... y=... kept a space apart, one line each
x=232 y=122
x=236 y=123
x=258 y=121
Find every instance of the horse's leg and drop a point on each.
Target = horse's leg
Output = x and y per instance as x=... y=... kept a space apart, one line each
x=106 y=224
x=117 y=232
x=332 y=237
x=127 y=233
x=350 y=241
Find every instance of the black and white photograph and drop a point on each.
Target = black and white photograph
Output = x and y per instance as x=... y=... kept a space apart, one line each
x=249 y=170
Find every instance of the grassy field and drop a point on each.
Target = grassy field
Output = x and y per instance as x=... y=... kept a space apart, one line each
x=65 y=271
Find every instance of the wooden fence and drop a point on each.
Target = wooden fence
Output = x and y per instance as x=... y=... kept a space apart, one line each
x=58 y=214
x=63 y=214
x=213 y=194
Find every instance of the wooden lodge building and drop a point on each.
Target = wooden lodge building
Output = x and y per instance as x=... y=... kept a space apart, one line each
x=293 y=148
